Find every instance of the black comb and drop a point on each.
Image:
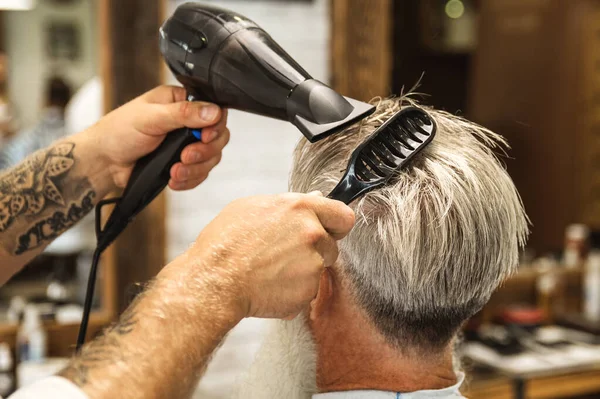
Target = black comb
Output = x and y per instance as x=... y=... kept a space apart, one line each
x=384 y=153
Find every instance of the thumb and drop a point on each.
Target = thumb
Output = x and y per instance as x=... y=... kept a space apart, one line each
x=163 y=118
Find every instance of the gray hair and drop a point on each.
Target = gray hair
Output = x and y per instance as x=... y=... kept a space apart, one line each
x=428 y=249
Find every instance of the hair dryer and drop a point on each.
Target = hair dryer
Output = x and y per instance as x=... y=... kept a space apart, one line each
x=223 y=57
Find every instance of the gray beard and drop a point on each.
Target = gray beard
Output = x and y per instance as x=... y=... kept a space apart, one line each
x=285 y=365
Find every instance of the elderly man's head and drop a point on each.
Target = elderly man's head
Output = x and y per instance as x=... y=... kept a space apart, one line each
x=426 y=253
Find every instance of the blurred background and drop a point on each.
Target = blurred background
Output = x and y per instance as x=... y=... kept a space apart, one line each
x=527 y=69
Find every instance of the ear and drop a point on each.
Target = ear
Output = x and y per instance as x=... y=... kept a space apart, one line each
x=320 y=305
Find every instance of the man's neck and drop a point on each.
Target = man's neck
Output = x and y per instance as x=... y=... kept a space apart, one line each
x=359 y=368
x=352 y=356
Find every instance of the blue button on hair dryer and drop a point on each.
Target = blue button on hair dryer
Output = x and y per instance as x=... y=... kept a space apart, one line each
x=223 y=57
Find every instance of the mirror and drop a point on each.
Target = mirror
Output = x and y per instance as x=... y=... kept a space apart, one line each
x=48 y=70
x=46 y=54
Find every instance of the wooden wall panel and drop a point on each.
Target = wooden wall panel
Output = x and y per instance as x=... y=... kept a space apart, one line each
x=2 y=34
x=132 y=65
x=530 y=84
x=361 y=48
x=590 y=87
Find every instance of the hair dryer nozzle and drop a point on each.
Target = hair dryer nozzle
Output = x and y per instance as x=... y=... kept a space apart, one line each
x=318 y=111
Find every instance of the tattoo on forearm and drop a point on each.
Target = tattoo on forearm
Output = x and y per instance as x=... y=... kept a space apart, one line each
x=27 y=187
x=103 y=352
x=50 y=228
x=41 y=198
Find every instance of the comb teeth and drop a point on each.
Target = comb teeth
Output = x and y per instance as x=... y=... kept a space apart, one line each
x=388 y=149
x=393 y=144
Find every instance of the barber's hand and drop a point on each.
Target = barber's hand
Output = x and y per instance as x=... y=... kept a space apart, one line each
x=267 y=253
x=138 y=127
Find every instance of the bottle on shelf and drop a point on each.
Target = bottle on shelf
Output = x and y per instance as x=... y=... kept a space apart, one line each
x=591 y=288
x=31 y=337
x=576 y=242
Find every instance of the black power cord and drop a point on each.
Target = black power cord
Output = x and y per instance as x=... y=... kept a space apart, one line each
x=89 y=297
x=104 y=238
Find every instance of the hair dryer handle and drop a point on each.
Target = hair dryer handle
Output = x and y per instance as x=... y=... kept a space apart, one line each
x=151 y=173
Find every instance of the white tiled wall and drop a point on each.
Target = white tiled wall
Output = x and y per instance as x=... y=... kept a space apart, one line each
x=256 y=161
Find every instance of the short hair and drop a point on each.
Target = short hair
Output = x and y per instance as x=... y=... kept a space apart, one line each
x=428 y=249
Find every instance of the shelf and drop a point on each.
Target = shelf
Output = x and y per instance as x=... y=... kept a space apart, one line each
x=566 y=384
x=527 y=272
x=496 y=387
x=61 y=337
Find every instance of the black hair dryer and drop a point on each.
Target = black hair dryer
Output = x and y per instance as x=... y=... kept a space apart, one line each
x=225 y=58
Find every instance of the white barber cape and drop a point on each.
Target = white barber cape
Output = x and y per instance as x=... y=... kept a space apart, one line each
x=452 y=392
x=60 y=388
x=50 y=388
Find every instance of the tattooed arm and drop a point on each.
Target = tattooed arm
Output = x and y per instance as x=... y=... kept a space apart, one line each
x=54 y=188
x=45 y=195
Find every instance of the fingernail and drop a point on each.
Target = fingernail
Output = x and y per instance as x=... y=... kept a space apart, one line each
x=184 y=173
x=317 y=192
x=209 y=112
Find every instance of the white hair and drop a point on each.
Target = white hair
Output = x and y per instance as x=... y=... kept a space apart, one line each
x=285 y=366
x=429 y=248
